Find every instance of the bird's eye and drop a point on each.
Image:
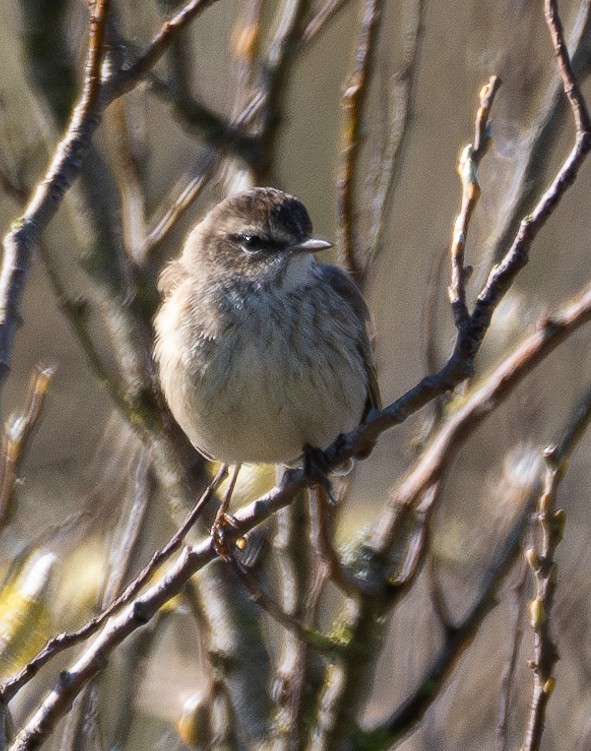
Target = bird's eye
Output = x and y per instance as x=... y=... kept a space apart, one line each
x=249 y=243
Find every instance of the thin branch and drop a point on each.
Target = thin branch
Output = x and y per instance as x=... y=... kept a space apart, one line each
x=322 y=18
x=246 y=47
x=129 y=529
x=502 y=274
x=321 y=539
x=180 y=203
x=569 y=82
x=293 y=665
x=17 y=436
x=96 y=52
x=468 y=171
x=277 y=69
x=353 y=103
x=126 y=169
x=541 y=557
x=127 y=78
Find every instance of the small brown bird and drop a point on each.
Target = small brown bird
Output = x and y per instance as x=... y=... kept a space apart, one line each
x=261 y=349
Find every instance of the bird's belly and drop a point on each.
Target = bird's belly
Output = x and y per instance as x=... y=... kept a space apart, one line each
x=259 y=396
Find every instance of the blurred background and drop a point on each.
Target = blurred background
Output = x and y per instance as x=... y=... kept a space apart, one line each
x=90 y=297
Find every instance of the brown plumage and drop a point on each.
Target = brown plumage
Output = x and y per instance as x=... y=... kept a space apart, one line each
x=260 y=348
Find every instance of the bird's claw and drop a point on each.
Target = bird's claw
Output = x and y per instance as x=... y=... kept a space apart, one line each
x=316 y=468
x=222 y=540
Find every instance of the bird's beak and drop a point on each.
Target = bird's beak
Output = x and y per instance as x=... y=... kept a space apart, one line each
x=311 y=245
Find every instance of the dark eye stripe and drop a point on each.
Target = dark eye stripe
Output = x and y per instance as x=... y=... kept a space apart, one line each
x=255 y=243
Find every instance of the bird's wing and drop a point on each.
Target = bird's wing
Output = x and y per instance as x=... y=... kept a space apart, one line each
x=342 y=283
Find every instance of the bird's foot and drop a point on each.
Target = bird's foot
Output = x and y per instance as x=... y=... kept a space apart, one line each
x=316 y=468
x=223 y=538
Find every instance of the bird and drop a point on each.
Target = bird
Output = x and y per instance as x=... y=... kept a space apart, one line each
x=261 y=349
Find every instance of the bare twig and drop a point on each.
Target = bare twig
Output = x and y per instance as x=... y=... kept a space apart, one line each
x=503 y=273
x=126 y=169
x=322 y=18
x=353 y=104
x=569 y=82
x=127 y=78
x=246 y=47
x=321 y=538
x=182 y=201
x=129 y=529
x=540 y=556
x=292 y=668
x=97 y=33
x=468 y=171
x=277 y=69
x=17 y=436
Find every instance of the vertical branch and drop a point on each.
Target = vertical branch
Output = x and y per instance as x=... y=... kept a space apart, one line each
x=94 y=60
x=126 y=171
x=246 y=42
x=353 y=104
x=468 y=171
x=17 y=436
x=550 y=522
x=515 y=630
